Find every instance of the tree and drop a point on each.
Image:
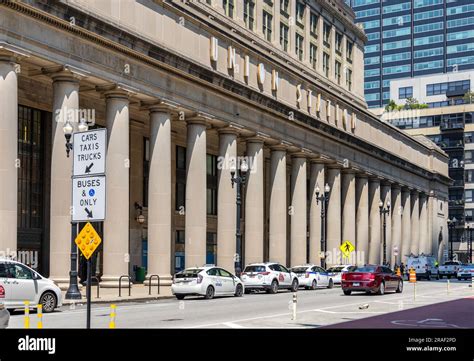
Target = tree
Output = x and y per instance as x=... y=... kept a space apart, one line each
x=469 y=97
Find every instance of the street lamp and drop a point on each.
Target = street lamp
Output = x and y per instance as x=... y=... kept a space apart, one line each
x=383 y=213
x=73 y=292
x=324 y=199
x=238 y=178
x=451 y=226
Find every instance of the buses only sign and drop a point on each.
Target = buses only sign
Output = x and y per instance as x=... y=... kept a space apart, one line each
x=88 y=199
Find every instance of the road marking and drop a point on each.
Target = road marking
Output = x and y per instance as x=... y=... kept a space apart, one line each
x=232 y=325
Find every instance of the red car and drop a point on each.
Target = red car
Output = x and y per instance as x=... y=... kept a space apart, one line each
x=371 y=279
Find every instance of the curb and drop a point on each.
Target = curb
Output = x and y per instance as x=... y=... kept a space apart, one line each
x=142 y=299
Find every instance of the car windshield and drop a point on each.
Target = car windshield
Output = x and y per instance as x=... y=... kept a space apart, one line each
x=254 y=269
x=299 y=269
x=335 y=269
x=364 y=269
x=189 y=273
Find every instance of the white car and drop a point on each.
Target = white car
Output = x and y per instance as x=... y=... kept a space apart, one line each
x=207 y=281
x=335 y=272
x=312 y=276
x=19 y=283
x=268 y=276
x=465 y=272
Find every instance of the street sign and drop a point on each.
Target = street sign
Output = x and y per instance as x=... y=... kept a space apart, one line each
x=346 y=248
x=88 y=240
x=88 y=199
x=395 y=251
x=89 y=150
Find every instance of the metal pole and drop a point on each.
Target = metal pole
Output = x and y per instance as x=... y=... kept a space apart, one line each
x=469 y=248
x=451 y=244
x=88 y=291
x=384 y=238
x=73 y=292
x=238 y=235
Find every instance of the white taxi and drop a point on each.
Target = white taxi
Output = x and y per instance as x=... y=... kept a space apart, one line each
x=268 y=276
x=336 y=272
x=311 y=277
x=207 y=281
x=19 y=283
x=465 y=272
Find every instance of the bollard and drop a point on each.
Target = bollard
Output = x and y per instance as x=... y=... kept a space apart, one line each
x=447 y=288
x=399 y=274
x=39 y=313
x=295 y=301
x=414 y=292
x=27 y=314
x=112 y=316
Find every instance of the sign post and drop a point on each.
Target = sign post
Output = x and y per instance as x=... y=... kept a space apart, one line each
x=89 y=195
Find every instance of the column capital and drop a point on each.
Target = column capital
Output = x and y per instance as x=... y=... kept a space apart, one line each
x=63 y=72
x=396 y=186
x=415 y=192
x=320 y=159
x=200 y=118
x=301 y=153
x=230 y=129
x=112 y=90
x=348 y=171
x=374 y=179
x=160 y=106
x=281 y=146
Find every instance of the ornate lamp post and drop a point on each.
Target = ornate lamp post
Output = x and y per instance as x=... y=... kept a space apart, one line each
x=73 y=292
x=383 y=213
x=238 y=178
x=324 y=199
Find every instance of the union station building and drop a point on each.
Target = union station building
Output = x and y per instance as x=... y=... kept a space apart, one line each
x=186 y=89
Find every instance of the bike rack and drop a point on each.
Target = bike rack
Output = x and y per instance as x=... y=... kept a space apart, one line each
x=129 y=285
x=149 y=283
x=98 y=284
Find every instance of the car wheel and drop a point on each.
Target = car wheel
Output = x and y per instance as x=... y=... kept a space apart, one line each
x=428 y=276
x=381 y=290
x=400 y=287
x=331 y=283
x=209 y=293
x=437 y=277
x=314 y=285
x=274 y=287
x=48 y=301
x=459 y=279
x=239 y=290
x=347 y=292
x=180 y=297
x=294 y=286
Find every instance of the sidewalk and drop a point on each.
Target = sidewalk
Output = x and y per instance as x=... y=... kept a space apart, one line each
x=139 y=292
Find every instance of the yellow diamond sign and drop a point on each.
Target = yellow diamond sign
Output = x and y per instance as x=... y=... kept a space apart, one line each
x=88 y=240
x=346 y=248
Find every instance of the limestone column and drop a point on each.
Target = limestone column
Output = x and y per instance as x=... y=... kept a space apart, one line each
x=254 y=202
x=196 y=178
x=415 y=223
x=159 y=195
x=334 y=216
x=315 y=226
x=374 y=221
x=406 y=225
x=9 y=155
x=65 y=102
x=278 y=208
x=348 y=207
x=425 y=246
x=298 y=213
x=396 y=213
x=226 y=198
x=386 y=199
x=116 y=225
x=362 y=218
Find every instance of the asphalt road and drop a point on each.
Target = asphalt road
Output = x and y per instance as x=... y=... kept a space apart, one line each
x=319 y=308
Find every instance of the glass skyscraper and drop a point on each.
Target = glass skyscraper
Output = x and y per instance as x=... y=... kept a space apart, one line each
x=408 y=38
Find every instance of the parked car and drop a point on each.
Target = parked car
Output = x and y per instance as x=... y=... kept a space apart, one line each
x=207 y=281
x=449 y=269
x=465 y=272
x=4 y=316
x=311 y=277
x=20 y=283
x=270 y=277
x=424 y=266
x=371 y=279
x=335 y=272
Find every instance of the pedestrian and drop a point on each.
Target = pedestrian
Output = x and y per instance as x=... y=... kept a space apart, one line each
x=402 y=269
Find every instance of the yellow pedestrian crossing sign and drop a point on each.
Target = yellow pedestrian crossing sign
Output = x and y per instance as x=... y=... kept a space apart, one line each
x=346 y=248
x=88 y=240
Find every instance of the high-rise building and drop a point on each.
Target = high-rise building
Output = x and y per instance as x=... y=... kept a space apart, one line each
x=408 y=38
